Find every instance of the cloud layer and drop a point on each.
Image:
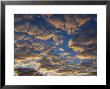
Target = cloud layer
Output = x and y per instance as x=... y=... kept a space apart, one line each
x=51 y=45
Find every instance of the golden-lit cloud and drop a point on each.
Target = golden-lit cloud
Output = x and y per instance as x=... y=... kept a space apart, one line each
x=18 y=37
x=77 y=48
x=61 y=49
x=81 y=21
x=39 y=33
x=57 y=23
x=83 y=53
x=86 y=56
x=44 y=37
x=88 y=42
x=34 y=30
x=70 y=23
x=71 y=43
x=21 y=28
x=70 y=27
x=23 y=16
x=66 y=53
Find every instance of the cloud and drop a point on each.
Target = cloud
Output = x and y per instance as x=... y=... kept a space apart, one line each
x=86 y=56
x=61 y=49
x=88 y=42
x=83 y=52
x=84 y=44
x=23 y=43
x=81 y=21
x=70 y=26
x=78 y=49
x=71 y=43
x=69 y=23
x=21 y=28
x=68 y=17
x=39 y=33
x=18 y=37
x=46 y=15
x=46 y=62
x=34 y=30
x=56 y=22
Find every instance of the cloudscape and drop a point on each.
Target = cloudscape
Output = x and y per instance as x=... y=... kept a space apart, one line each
x=55 y=44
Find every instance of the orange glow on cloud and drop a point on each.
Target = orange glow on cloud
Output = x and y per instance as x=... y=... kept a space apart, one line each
x=57 y=23
x=85 y=56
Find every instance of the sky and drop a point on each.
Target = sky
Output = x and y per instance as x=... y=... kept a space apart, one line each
x=68 y=37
